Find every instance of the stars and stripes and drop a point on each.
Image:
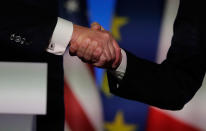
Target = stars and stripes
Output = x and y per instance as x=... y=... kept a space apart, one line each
x=83 y=111
x=82 y=102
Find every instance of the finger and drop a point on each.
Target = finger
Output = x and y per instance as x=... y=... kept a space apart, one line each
x=112 y=51
x=102 y=62
x=75 y=45
x=107 y=52
x=96 y=26
x=83 y=45
x=89 y=53
x=73 y=48
x=95 y=51
x=118 y=58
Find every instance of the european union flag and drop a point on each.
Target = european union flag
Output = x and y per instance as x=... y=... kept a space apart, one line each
x=136 y=26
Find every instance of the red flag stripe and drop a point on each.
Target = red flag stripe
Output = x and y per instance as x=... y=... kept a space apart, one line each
x=160 y=121
x=74 y=114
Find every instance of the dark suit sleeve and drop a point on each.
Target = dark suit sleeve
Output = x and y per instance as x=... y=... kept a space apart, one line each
x=171 y=84
x=26 y=26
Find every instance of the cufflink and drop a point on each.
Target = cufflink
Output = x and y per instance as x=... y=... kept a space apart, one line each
x=23 y=41
x=51 y=46
x=12 y=37
x=17 y=39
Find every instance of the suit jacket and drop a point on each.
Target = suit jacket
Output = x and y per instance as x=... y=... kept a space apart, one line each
x=26 y=27
x=171 y=84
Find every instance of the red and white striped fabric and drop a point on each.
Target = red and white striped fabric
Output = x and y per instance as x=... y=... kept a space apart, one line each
x=193 y=116
x=83 y=111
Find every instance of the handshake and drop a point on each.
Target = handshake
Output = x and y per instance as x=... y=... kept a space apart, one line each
x=95 y=46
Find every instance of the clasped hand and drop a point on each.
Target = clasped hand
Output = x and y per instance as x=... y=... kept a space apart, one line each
x=95 y=46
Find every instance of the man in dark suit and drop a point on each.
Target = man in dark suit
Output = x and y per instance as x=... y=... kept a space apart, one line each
x=31 y=31
x=171 y=84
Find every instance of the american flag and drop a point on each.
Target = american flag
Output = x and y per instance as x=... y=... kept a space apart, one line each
x=83 y=111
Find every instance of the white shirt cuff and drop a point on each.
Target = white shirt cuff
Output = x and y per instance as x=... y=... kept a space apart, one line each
x=120 y=71
x=61 y=37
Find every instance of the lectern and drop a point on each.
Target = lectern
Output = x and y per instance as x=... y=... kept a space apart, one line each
x=23 y=89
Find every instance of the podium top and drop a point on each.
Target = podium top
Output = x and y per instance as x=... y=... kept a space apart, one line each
x=23 y=88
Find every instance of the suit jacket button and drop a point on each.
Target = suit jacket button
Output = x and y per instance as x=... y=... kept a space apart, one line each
x=22 y=41
x=18 y=39
x=12 y=37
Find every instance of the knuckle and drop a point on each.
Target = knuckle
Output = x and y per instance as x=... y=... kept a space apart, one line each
x=84 y=45
x=95 y=43
x=106 y=35
x=88 y=40
x=98 y=51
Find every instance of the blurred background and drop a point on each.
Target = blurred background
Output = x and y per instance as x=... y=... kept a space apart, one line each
x=143 y=27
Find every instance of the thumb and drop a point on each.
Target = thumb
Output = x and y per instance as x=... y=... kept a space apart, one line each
x=96 y=26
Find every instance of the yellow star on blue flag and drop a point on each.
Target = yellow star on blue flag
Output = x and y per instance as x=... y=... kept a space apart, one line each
x=119 y=124
x=118 y=22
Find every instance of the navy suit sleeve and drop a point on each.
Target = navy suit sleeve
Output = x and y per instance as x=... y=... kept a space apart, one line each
x=26 y=26
x=171 y=84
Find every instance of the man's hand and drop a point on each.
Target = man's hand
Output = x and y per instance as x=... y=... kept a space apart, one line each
x=94 y=46
x=102 y=61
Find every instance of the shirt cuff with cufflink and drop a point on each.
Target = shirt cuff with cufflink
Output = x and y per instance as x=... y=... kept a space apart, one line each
x=120 y=71
x=61 y=37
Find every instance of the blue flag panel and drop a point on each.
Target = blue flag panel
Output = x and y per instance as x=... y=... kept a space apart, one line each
x=141 y=34
x=136 y=26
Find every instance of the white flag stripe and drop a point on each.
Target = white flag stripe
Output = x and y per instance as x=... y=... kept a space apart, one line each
x=166 y=30
x=66 y=127
x=82 y=84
